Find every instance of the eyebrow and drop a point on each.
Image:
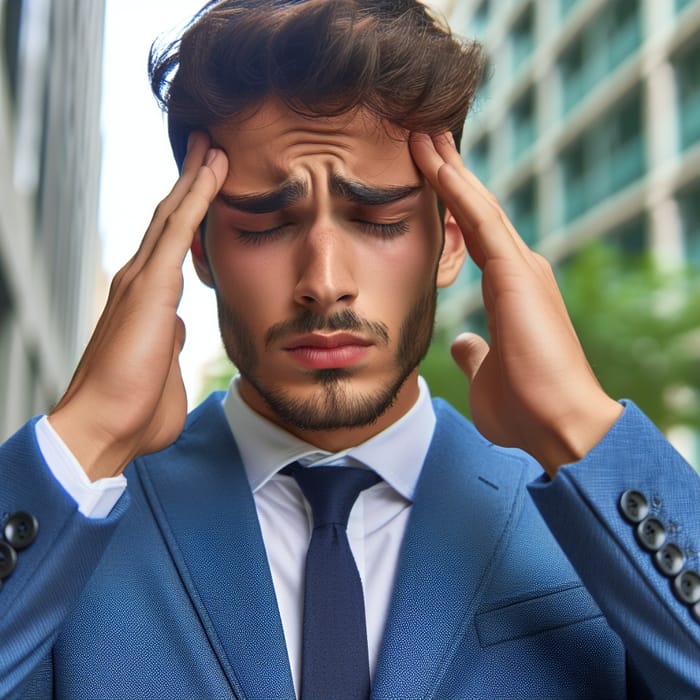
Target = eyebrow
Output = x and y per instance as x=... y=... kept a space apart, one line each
x=287 y=194
x=290 y=192
x=370 y=195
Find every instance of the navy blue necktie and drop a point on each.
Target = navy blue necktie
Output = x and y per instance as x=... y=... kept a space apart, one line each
x=335 y=663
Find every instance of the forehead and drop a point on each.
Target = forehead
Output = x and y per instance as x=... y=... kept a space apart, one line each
x=276 y=143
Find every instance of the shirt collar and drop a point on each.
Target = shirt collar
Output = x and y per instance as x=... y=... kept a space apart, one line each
x=396 y=454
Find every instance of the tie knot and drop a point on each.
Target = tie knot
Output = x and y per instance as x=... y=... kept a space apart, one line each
x=331 y=491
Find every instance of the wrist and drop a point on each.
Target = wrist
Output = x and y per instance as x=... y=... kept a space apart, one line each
x=100 y=453
x=576 y=433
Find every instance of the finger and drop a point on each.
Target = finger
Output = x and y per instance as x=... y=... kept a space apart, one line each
x=475 y=216
x=446 y=149
x=197 y=150
x=469 y=351
x=182 y=224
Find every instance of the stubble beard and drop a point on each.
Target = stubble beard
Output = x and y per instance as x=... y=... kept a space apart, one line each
x=336 y=404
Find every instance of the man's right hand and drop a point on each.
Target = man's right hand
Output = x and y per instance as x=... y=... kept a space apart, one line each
x=127 y=397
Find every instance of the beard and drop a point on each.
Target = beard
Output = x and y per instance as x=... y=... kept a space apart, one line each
x=336 y=404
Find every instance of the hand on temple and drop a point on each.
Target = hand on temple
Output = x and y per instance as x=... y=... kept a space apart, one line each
x=127 y=397
x=532 y=388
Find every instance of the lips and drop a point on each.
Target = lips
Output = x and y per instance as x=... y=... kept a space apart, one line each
x=336 y=351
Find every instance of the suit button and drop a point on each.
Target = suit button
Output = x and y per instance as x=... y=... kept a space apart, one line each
x=696 y=612
x=669 y=560
x=8 y=559
x=686 y=586
x=651 y=534
x=21 y=529
x=634 y=506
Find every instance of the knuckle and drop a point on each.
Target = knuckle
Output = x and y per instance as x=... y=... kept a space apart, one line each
x=543 y=262
x=161 y=211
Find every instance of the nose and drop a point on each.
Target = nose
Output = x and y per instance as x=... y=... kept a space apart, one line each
x=325 y=265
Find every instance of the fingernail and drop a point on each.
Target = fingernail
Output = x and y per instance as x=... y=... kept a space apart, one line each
x=191 y=139
x=211 y=156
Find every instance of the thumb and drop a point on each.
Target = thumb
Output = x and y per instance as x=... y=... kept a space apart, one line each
x=468 y=351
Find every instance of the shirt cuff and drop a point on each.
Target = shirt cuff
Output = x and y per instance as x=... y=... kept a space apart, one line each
x=95 y=499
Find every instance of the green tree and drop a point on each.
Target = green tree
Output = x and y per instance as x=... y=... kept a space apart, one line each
x=640 y=327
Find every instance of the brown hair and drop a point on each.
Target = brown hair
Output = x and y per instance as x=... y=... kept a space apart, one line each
x=322 y=58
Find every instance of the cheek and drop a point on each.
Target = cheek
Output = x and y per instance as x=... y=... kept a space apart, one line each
x=244 y=276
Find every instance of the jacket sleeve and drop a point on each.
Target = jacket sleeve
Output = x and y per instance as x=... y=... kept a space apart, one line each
x=50 y=567
x=628 y=518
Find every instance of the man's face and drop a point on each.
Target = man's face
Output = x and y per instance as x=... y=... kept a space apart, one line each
x=323 y=249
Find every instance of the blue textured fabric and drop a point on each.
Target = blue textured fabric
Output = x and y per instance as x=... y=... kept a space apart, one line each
x=177 y=600
x=335 y=660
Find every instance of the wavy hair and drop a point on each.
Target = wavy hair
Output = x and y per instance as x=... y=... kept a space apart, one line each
x=321 y=58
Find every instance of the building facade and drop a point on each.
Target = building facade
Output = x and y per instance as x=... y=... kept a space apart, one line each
x=587 y=125
x=50 y=91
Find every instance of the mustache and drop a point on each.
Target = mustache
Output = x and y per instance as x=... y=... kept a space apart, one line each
x=310 y=322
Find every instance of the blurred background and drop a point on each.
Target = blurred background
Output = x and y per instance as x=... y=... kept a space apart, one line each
x=587 y=128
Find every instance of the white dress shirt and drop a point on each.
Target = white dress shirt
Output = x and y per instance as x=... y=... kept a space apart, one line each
x=375 y=528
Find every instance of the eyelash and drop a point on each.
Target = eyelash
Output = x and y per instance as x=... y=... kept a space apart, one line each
x=386 y=231
x=258 y=237
x=392 y=230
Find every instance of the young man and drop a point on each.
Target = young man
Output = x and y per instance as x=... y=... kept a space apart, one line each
x=301 y=129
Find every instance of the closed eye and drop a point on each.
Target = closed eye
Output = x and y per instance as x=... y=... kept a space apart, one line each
x=257 y=237
x=389 y=230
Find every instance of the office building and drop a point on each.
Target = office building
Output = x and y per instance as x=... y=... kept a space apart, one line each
x=50 y=85
x=587 y=125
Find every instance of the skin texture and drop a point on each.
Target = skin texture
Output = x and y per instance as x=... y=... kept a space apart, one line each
x=328 y=307
x=314 y=299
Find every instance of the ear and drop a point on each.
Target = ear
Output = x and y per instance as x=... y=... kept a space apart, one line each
x=199 y=259
x=453 y=253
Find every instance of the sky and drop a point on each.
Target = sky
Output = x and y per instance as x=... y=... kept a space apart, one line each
x=138 y=168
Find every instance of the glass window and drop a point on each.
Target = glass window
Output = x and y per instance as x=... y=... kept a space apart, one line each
x=687 y=66
x=480 y=19
x=11 y=41
x=477 y=159
x=523 y=124
x=630 y=237
x=689 y=204
x=604 y=159
x=521 y=208
x=522 y=37
x=603 y=44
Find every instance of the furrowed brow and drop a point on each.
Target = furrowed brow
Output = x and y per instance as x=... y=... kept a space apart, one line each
x=266 y=202
x=370 y=195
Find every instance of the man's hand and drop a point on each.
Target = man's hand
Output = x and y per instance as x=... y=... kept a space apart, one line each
x=127 y=397
x=533 y=387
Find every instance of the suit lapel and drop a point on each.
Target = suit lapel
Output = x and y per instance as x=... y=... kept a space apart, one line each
x=201 y=499
x=466 y=500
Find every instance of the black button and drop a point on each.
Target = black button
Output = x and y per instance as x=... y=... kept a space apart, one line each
x=686 y=586
x=634 y=506
x=8 y=559
x=21 y=529
x=669 y=559
x=651 y=534
x=696 y=612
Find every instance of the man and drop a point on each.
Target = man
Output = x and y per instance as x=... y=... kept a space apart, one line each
x=301 y=131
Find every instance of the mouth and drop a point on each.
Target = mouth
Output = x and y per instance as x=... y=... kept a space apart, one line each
x=335 y=351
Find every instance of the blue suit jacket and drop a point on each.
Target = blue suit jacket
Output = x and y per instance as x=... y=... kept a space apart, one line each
x=171 y=596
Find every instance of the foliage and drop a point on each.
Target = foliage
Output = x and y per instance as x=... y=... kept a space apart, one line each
x=639 y=325
x=444 y=378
